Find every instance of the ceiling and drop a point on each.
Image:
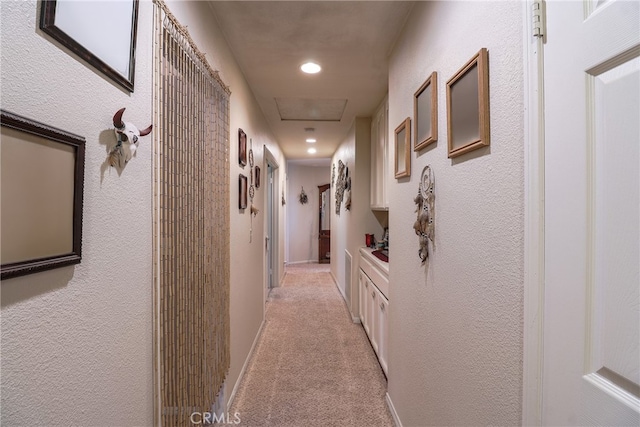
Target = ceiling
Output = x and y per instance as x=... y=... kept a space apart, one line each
x=350 y=40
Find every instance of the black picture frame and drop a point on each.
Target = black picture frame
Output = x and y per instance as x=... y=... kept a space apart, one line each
x=242 y=148
x=55 y=21
x=23 y=251
x=242 y=192
x=257 y=177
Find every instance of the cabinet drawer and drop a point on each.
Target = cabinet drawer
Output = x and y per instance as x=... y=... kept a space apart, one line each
x=376 y=276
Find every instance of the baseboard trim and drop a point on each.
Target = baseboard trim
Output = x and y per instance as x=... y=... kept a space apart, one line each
x=355 y=319
x=344 y=297
x=244 y=367
x=308 y=261
x=392 y=409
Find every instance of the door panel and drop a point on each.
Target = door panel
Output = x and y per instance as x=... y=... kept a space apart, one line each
x=592 y=198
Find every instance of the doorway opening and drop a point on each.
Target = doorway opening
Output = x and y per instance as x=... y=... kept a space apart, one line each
x=324 y=224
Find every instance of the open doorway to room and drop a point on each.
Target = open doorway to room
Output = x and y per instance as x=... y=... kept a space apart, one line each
x=324 y=224
x=307 y=238
x=271 y=241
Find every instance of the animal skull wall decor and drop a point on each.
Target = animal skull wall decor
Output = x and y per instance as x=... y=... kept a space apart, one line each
x=128 y=136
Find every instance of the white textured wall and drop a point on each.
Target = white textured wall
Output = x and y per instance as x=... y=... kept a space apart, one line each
x=348 y=228
x=456 y=324
x=77 y=341
x=302 y=220
x=247 y=292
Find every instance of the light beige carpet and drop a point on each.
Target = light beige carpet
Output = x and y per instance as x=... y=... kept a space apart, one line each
x=312 y=366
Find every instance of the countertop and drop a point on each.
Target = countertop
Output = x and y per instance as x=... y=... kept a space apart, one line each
x=368 y=253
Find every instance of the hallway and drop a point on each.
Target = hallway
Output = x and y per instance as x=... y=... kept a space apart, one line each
x=311 y=366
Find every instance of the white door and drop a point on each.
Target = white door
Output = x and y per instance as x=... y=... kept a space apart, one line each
x=591 y=355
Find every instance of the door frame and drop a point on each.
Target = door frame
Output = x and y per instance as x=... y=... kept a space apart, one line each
x=271 y=209
x=534 y=235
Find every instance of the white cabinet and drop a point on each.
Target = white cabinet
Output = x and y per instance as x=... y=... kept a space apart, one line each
x=363 y=301
x=373 y=289
x=380 y=157
x=372 y=316
x=382 y=332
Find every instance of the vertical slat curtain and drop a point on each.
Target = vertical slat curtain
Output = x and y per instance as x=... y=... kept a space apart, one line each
x=191 y=226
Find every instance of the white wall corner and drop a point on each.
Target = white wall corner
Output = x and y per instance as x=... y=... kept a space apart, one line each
x=232 y=396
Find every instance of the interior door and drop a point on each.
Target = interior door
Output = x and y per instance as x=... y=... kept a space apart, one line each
x=324 y=224
x=591 y=354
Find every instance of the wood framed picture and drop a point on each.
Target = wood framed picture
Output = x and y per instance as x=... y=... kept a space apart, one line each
x=242 y=147
x=468 y=106
x=42 y=185
x=425 y=113
x=102 y=33
x=402 y=159
x=257 y=177
x=242 y=192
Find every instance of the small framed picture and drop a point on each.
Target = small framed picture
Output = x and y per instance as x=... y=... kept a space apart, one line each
x=257 y=177
x=425 y=113
x=468 y=106
x=403 y=149
x=242 y=193
x=242 y=147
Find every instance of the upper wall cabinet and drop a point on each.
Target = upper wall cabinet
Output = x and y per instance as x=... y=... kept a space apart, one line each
x=380 y=157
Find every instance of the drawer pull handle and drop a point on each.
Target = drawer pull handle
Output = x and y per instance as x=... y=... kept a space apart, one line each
x=373 y=294
x=381 y=307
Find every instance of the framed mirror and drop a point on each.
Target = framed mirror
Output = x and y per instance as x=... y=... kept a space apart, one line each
x=425 y=113
x=402 y=159
x=468 y=106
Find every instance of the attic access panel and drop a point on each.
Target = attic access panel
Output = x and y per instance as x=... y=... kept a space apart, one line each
x=320 y=110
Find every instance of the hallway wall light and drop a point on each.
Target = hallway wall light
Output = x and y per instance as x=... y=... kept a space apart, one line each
x=310 y=68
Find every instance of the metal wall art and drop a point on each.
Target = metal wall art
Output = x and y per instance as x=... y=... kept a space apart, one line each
x=333 y=174
x=425 y=202
x=347 y=189
x=341 y=183
x=128 y=136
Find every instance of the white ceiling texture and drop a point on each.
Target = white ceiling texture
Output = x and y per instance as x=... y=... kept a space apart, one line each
x=351 y=40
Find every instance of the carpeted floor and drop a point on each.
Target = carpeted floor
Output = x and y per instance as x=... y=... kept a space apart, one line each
x=312 y=366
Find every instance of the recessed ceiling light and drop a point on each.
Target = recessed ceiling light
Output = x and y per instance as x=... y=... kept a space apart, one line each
x=311 y=151
x=311 y=140
x=310 y=68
